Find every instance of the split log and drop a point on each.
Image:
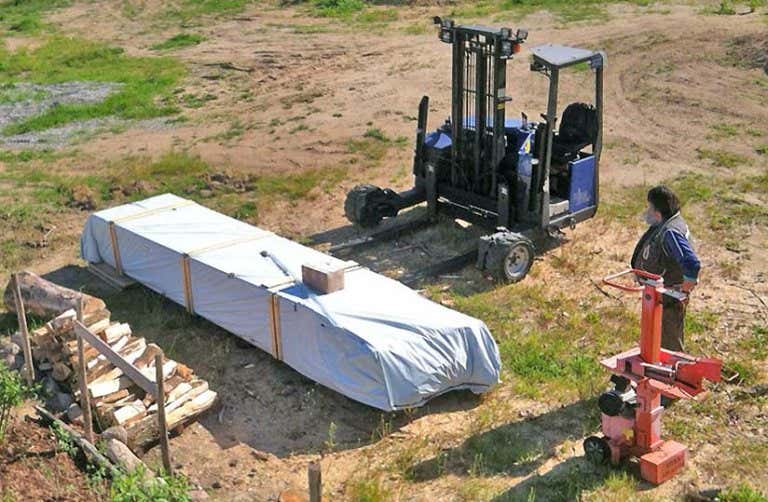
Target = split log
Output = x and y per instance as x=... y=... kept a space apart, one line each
x=46 y=299
x=148 y=356
x=145 y=431
x=187 y=393
x=126 y=415
x=111 y=398
x=115 y=332
x=99 y=389
x=105 y=370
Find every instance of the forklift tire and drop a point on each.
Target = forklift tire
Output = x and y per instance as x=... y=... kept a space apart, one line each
x=358 y=206
x=596 y=450
x=507 y=256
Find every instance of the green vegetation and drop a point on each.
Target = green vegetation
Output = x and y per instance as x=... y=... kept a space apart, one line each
x=722 y=158
x=368 y=490
x=145 y=88
x=12 y=393
x=11 y=93
x=197 y=101
x=189 y=11
x=24 y=16
x=137 y=486
x=742 y=493
x=374 y=145
x=515 y=9
x=537 y=332
x=337 y=8
x=179 y=41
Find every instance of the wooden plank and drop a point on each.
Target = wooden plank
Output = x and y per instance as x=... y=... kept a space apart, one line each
x=188 y=299
x=22 y=315
x=85 y=400
x=162 y=426
x=108 y=274
x=315 y=479
x=128 y=369
x=115 y=248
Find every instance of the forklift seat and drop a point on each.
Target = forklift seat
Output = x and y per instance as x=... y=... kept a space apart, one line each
x=578 y=129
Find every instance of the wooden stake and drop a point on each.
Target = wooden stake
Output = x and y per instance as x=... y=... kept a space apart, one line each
x=85 y=399
x=162 y=425
x=315 y=482
x=22 y=316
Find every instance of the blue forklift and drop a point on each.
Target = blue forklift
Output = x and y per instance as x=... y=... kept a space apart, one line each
x=518 y=178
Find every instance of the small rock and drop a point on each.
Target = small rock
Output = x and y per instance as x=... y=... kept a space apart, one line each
x=44 y=366
x=18 y=363
x=233 y=463
x=61 y=372
x=206 y=194
x=260 y=455
x=75 y=413
x=115 y=432
x=60 y=402
x=7 y=347
x=120 y=454
x=215 y=485
x=9 y=360
x=50 y=386
x=17 y=339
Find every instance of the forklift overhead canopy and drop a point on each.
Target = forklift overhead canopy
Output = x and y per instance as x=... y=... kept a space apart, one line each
x=560 y=56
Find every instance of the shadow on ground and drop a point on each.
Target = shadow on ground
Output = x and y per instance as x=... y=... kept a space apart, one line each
x=263 y=402
x=409 y=255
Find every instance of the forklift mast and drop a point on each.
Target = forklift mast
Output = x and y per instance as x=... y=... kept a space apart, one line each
x=478 y=102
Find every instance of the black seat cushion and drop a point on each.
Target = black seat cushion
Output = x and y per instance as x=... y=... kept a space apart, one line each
x=578 y=129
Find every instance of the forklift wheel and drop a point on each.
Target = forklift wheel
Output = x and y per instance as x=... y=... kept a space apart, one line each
x=596 y=450
x=360 y=208
x=506 y=255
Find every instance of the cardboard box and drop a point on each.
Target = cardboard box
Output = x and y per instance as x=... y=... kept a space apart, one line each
x=322 y=277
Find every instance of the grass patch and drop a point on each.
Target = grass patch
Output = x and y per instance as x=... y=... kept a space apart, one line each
x=337 y=8
x=25 y=16
x=550 y=344
x=179 y=41
x=197 y=100
x=741 y=493
x=146 y=90
x=188 y=11
x=722 y=158
x=762 y=149
x=11 y=93
x=368 y=490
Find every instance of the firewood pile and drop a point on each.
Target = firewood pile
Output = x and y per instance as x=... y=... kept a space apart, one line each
x=115 y=398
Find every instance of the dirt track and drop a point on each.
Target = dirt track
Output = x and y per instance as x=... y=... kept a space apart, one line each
x=666 y=86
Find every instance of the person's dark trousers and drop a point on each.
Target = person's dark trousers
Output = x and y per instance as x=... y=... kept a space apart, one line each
x=672 y=325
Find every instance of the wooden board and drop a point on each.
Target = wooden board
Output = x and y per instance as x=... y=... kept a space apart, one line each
x=108 y=274
x=128 y=369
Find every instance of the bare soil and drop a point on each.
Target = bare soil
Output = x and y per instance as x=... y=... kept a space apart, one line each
x=33 y=467
x=672 y=74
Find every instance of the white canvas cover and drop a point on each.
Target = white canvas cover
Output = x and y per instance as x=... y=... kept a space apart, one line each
x=375 y=341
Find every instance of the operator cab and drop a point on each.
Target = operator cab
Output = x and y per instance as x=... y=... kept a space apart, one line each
x=564 y=172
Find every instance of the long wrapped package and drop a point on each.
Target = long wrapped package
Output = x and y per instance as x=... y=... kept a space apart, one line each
x=375 y=341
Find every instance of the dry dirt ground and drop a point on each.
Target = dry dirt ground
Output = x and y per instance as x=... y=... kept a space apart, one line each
x=672 y=75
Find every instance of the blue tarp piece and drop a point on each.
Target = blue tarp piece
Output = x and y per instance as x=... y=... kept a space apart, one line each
x=375 y=341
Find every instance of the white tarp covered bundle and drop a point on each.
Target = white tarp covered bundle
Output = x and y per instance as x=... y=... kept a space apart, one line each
x=376 y=341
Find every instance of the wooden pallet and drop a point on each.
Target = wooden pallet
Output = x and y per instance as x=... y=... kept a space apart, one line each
x=108 y=274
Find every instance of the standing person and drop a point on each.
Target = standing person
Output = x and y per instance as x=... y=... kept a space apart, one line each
x=665 y=249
